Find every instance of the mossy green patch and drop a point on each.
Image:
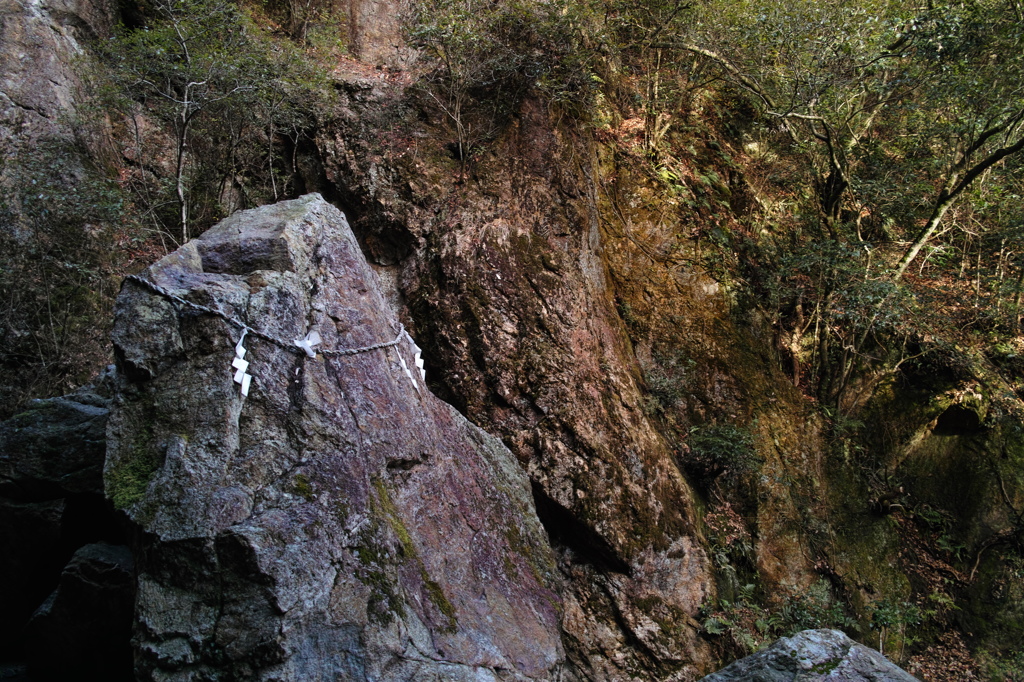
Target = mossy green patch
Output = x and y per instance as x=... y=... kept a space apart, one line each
x=303 y=487
x=536 y=558
x=342 y=512
x=825 y=667
x=438 y=598
x=394 y=520
x=127 y=479
x=670 y=618
x=384 y=506
x=384 y=602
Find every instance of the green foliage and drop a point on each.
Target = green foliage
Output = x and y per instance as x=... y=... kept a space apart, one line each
x=814 y=608
x=488 y=56
x=313 y=23
x=749 y=625
x=65 y=225
x=943 y=526
x=891 y=134
x=721 y=450
x=235 y=101
x=887 y=613
x=840 y=304
x=234 y=105
x=1008 y=668
x=746 y=625
x=888 y=616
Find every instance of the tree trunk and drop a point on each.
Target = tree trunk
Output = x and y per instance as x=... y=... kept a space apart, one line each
x=945 y=201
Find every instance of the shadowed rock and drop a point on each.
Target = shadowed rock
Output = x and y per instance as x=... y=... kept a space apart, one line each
x=813 y=656
x=84 y=627
x=51 y=487
x=339 y=522
x=30 y=564
x=56 y=447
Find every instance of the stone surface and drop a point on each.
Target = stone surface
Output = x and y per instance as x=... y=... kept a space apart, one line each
x=339 y=523
x=813 y=656
x=84 y=627
x=375 y=31
x=39 y=87
x=56 y=447
x=51 y=498
x=505 y=281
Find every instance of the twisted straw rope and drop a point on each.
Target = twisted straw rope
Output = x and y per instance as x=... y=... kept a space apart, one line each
x=287 y=345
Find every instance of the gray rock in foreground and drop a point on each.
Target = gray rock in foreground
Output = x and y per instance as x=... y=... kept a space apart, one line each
x=813 y=656
x=339 y=523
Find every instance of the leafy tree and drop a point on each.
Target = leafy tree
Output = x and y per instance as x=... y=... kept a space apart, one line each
x=977 y=95
x=821 y=75
x=202 y=68
x=897 y=113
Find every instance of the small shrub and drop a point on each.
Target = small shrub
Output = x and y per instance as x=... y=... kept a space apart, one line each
x=721 y=450
x=486 y=57
x=64 y=237
x=814 y=608
x=891 y=616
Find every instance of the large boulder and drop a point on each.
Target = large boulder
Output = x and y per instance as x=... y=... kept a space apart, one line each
x=813 y=656
x=339 y=522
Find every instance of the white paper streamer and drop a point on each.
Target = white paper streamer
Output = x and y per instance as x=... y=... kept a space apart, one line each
x=306 y=344
x=419 y=363
x=240 y=364
x=405 y=368
x=417 y=358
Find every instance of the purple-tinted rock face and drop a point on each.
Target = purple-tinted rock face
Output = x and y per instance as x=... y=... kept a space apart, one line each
x=339 y=522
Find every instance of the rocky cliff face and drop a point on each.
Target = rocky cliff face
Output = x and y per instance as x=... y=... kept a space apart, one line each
x=40 y=86
x=506 y=284
x=559 y=290
x=340 y=522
